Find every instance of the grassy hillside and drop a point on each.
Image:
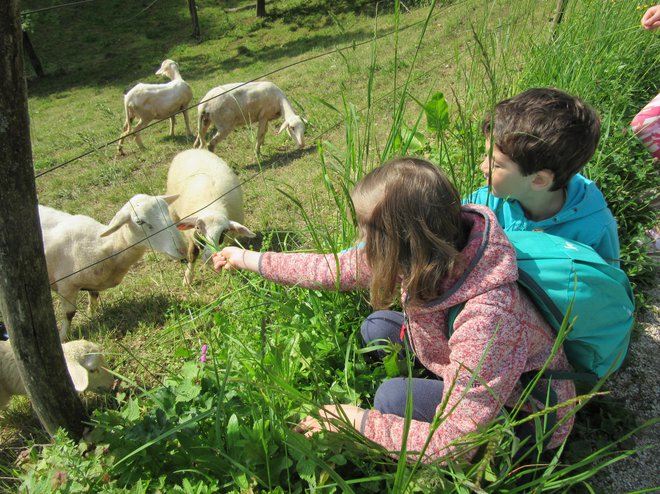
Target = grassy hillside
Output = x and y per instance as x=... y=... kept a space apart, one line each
x=356 y=71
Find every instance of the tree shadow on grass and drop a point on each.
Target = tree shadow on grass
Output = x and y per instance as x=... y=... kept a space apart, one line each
x=104 y=42
x=100 y=45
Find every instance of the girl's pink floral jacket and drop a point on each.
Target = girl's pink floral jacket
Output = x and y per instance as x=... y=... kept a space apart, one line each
x=497 y=321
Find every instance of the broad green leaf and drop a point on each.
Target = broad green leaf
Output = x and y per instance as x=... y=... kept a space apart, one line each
x=437 y=113
x=131 y=411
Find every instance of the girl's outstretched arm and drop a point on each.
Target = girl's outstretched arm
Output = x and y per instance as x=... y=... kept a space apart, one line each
x=236 y=258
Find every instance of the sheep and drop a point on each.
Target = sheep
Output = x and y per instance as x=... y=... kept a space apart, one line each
x=84 y=360
x=210 y=197
x=235 y=105
x=148 y=102
x=83 y=254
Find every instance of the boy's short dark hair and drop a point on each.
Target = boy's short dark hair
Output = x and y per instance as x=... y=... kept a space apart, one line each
x=545 y=129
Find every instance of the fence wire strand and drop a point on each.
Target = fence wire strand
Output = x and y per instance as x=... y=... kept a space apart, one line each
x=260 y=172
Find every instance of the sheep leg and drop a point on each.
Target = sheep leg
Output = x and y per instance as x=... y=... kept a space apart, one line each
x=125 y=131
x=69 y=308
x=261 y=134
x=193 y=254
x=219 y=135
x=172 y=120
x=93 y=301
x=140 y=125
x=203 y=124
x=187 y=120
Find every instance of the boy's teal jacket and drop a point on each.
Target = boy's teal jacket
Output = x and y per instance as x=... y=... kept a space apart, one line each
x=584 y=217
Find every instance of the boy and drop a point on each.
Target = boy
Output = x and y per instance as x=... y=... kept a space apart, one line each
x=536 y=143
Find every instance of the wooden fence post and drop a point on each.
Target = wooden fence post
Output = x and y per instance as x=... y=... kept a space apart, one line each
x=25 y=300
x=32 y=55
x=559 y=15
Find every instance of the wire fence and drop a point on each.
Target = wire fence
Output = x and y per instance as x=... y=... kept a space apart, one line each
x=316 y=138
x=55 y=7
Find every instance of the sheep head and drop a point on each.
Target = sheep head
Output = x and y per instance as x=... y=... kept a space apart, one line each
x=168 y=68
x=211 y=230
x=87 y=367
x=150 y=221
x=295 y=126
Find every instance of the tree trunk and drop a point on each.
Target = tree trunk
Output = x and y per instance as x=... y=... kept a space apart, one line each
x=25 y=300
x=261 y=8
x=195 y=20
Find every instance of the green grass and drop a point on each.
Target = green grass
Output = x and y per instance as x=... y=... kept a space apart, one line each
x=278 y=353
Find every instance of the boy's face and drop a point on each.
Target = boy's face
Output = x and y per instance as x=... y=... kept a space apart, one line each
x=503 y=174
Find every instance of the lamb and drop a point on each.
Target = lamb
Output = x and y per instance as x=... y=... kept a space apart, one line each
x=148 y=102
x=210 y=197
x=239 y=104
x=83 y=254
x=84 y=360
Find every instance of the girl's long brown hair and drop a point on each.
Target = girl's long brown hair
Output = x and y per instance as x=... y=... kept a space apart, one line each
x=409 y=215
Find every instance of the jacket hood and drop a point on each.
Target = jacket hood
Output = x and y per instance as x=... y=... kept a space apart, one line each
x=490 y=260
x=583 y=198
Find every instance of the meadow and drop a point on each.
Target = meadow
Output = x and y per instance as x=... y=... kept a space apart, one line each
x=373 y=81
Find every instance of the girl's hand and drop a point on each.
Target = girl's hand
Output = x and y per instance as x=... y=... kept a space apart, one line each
x=229 y=258
x=330 y=415
x=651 y=19
x=236 y=258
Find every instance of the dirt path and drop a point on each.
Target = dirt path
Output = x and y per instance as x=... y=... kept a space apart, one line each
x=637 y=387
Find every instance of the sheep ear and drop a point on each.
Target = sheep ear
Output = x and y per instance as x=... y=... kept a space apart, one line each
x=123 y=216
x=161 y=70
x=187 y=223
x=240 y=230
x=284 y=125
x=170 y=199
x=79 y=376
x=200 y=225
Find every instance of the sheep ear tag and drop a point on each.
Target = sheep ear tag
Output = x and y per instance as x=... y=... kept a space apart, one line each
x=79 y=376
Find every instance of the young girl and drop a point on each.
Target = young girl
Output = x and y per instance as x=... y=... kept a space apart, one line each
x=419 y=240
x=646 y=123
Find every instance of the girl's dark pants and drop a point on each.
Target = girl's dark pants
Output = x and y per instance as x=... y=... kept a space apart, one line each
x=391 y=395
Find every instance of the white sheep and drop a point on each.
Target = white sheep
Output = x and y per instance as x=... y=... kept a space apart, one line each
x=236 y=105
x=149 y=102
x=210 y=199
x=86 y=365
x=83 y=254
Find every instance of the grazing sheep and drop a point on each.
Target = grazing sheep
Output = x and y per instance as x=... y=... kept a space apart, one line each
x=83 y=254
x=149 y=102
x=210 y=198
x=84 y=360
x=235 y=105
